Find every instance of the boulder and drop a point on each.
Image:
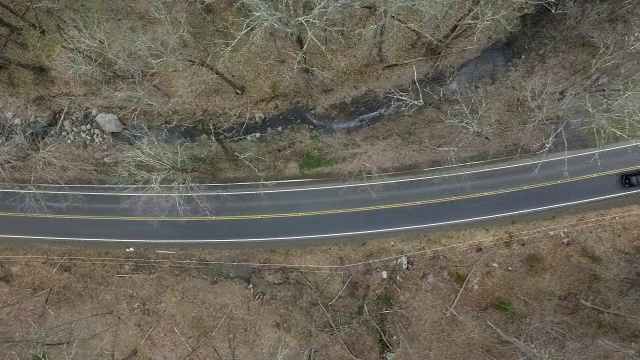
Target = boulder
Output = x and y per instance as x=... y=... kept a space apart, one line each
x=431 y=278
x=404 y=262
x=44 y=119
x=109 y=123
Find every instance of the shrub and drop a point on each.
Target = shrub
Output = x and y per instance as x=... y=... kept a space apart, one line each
x=310 y=161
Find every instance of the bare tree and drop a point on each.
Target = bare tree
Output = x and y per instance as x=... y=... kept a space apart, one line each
x=10 y=26
x=613 y=113
x=301 y=21
x=27 y=160
x=437 y=23
x=469 y=112
x=423 y=18
x=13 y=51
x=36 y=69
x=208 y=49
x=21 y=16
x=411 y=99
x=163 y=177
x=13 y=148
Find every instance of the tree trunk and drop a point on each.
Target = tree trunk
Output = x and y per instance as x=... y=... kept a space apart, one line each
x=230 y=154
x=8 y=38
x=303 y=56
x=13 y=12
x=36 y=69
x=6 y=24
x=239 y=89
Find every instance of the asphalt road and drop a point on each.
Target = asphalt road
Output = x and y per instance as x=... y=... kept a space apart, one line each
x=318 y=209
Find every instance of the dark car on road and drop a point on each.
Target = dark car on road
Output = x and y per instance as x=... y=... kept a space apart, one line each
x=631 y=180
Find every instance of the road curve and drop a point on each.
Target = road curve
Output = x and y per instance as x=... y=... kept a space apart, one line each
x=318 y=209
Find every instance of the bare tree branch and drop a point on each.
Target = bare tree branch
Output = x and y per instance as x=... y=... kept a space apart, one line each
x=612 y=312
x=524 y=348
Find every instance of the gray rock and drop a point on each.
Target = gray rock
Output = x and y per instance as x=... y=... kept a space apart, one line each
x=83 y=128
x=67 y=124
x=259 y=116
x=403 y=262
x=109 y=123
x=44 y=119
x=389 y=356
x=17 y=121
x=10 y=115
x=431 y=278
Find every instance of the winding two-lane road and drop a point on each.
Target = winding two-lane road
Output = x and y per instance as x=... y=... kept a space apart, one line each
x=317 y=209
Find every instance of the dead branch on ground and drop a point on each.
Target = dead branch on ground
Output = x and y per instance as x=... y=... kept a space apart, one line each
x=612 y=312
x=183 y=340
x=338 y=333
x=341 y=290
x=451 y=308
x=617 y=348
x=149 y=332
x=232 y=343
x=402 y=333
x=46 y=301
x=524 y=348
x=382 y=336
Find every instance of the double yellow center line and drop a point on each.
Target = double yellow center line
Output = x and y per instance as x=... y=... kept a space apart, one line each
x=320 y=212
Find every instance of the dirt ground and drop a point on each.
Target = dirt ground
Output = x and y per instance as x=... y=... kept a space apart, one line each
x=566 y=287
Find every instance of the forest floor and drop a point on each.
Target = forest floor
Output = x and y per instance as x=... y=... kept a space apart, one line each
x=562 y=287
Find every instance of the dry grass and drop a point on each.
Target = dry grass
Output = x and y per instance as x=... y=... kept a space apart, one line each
x=139 y=56
x=560 y=288
x=181 y=48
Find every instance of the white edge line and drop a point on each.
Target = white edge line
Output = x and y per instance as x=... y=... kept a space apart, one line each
x=318 y=187
x=471 y=163
x=324 y=236
x=514 y=157
x=269 y=182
